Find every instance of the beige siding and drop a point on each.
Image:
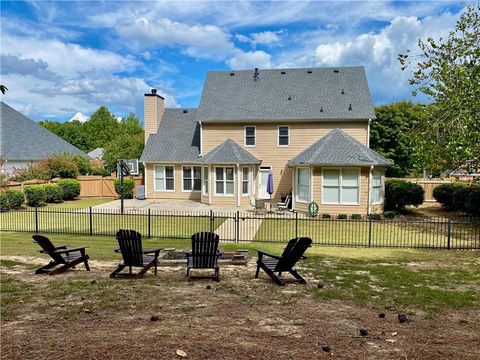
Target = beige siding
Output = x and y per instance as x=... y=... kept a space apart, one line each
x=153 y=113
x=302 y=135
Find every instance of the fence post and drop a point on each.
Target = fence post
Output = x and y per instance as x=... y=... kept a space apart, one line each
x=36 y=219
x=149 y=224
x=91 y=222
x=296 y=224
x=449 y=233
x=212 y=220
x=237 y=226
x=369 y=231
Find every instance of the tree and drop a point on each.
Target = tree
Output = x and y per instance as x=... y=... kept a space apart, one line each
x=125 y=146
x=71 y=132
x=102 y=128
x=390 y=135
x=449 y=72
x=131 y=125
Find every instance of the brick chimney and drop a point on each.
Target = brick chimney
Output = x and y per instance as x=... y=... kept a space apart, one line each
x=153 y=112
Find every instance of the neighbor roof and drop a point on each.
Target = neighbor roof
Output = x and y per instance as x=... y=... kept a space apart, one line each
x=97 y=153
x=177 y=138
x=229 y=152
x=23 y=139
x=337 y=148
x=339 y=93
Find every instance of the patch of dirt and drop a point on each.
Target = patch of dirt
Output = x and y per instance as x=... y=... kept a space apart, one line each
x=238 y=318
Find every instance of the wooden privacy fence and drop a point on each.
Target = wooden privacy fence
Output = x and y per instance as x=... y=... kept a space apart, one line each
x=91 y=186
x=427 y=185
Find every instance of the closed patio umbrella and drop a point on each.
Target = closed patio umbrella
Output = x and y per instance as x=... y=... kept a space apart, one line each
x=270 y=186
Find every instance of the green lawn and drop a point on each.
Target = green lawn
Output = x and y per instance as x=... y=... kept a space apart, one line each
x=81 y=203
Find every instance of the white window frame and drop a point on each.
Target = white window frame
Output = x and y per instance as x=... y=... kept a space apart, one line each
x=205 y=179
x=382 y=182
x=192 y=179
x=224 y=181
x=340 y=185
x=296 y=185
x=278 y=135
x=164 y=178
x=249 y=180
x=245 y=135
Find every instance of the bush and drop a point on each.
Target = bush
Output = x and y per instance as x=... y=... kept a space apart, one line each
x=83 y=165
x=356 y=216
x=35 y=195
x=53 y=193
x=97 y=170
x=70 y=188
x=452 y=197
x=399 y=193
x=342 y=216
x=389 y=214
x=62 y=166
x=3 y=202
x=375 y=217
x=472 y=202
x=15 y=198
x=128 y=185
x=326 y=216
x=34 y=171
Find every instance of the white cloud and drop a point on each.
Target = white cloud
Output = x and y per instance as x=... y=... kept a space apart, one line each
x=266 y=37
x=250 y=60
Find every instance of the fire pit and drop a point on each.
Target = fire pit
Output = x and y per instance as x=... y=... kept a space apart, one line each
x=173 y=257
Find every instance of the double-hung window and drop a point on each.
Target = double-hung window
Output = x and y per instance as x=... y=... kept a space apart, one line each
x=377 y=187
x=246 y=184
x=283 y=136
x=164 y=178
x=192 y=178
x=303 y=184
x=341 y=186
x=205 y=180
x=224 y=183
x=249 y=135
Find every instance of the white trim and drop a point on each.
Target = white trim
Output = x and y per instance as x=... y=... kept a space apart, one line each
x=210 y=177
x=368 y=133
x=192 y=178
x=297 y=200
x=250 y=187
x=164 y=178
x=203 y=180
x=238 y=184
x=382 y=185
x=369 y=197
x=294 y=188
x=278 y=136
x=259 y=177
x=201 y=139
x=340 y=185
x=245 y=135
x=145 y=179
x=224 y=181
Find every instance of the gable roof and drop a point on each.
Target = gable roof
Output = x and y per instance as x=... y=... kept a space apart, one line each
x=23 y=139
x=177 y=138
x=229 y=152
x=97 y=153
x=337 y=148
x=314 y=93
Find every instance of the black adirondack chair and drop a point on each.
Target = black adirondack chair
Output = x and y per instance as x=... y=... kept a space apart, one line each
x=60 y=255
x=275 y=265
x=130 y=243
x=204 y=254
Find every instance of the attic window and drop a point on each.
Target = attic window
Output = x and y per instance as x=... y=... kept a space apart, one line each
x=185 y=111
x=283 y=73
x=335 y=70
x=309 y=71
x=232 y=74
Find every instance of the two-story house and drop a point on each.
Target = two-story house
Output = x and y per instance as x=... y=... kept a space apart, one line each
x=309 y=127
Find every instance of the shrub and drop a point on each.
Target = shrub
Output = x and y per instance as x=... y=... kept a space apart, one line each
x=452 y=197
x=15 y=198
x=342 y=216
x=70 y=188
x=472 y=202
x=326 y=216
x=33 y=171
x=356 y=217
x=83 y=165
x=62 y=166
x=128 y=185
x=53 y=193
x=389 y=214
x=35 y=195
x=375 y=217
x=399 y=194
x=97 y=170
x=3 y=202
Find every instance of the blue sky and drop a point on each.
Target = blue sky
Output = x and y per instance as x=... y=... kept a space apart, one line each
x=59 y=58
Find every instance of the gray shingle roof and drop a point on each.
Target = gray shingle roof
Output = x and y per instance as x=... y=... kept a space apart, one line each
x=23 y=139
x=229 y=152
x=177 y=139
x=97 y=153
x=314 y=93
x=337 y=148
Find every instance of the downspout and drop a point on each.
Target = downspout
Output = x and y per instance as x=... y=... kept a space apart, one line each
x=368 y=133
x=210 y=180
x=145 y=179
x=238 y=184
x=369 y=208
x=294 y=188
x=201 y=139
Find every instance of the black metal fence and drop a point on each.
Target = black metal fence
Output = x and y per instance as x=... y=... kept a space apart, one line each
x=438 y=233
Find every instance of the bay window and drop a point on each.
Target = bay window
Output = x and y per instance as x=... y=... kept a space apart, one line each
x=246 y=185
x=303 y=185
x=192 y=178
x=377 y=187
x=164 y=178
x=341 y=186
x=224 y=183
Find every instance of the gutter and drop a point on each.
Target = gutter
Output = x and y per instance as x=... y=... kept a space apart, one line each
x=369 y=207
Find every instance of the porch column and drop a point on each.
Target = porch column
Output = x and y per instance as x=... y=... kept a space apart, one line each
x=210 y=187
x=238 y=184
x=294 y=188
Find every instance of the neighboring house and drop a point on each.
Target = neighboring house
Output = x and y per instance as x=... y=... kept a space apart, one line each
x=22 y=140
x=97 y=156
x=310 y=127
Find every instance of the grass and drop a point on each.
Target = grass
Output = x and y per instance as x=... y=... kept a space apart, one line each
x=81 y=203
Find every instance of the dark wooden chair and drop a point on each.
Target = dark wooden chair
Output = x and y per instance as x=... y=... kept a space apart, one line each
x=204 y=254
x=275 y=265
x=133 y=255
x=60 y=255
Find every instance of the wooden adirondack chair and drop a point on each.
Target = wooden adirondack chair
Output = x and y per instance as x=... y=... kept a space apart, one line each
x=204 y=254
x=275 y=265
x=130 y=243
x=60 y=256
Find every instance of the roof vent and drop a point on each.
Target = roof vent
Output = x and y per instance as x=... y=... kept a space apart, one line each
x=350 y=107
x=255 y=76
x=185 y=111
x=232 y=74
x=343 y=92
x=309 y=71
x=283 y=72
x=321 y=108
x=289 y=97
x=335 y=70
x=154 y=91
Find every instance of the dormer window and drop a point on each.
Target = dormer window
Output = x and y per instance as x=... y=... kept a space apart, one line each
x=250 y=136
